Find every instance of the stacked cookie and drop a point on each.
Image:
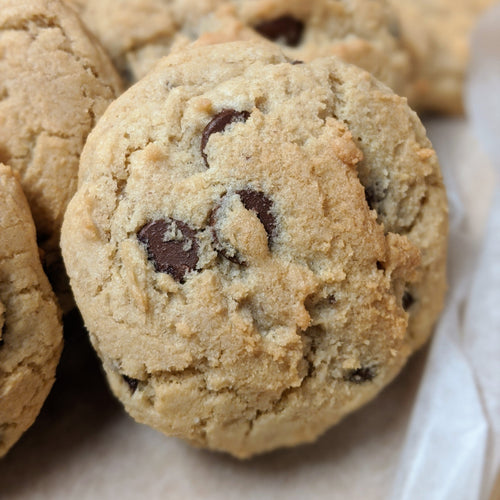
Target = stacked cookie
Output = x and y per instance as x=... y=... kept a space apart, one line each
x=419 y=48
x=55 y=82
x=257 y=240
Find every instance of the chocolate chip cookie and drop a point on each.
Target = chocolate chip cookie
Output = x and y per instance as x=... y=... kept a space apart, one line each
x=55 y=82
x=30 y=327
x=139 y=32
x=256 y=245
x=436 y=34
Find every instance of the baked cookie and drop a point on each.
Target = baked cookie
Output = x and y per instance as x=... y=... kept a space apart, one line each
x=30 y=326
x=436 y=33
x=138 y=32
x=55 y=82
x=256 y=245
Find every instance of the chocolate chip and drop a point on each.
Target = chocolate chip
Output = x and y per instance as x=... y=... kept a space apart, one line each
x=380 y=266
x=218 y=123
x=407 y=301
x=294 y=63
x=131 y=382
x=171 y=245
x=127 y=76
x=394 y=28
x=255 y=201
x=285 y=29
x=374 y=194
x=360 y=375
x=259 y=203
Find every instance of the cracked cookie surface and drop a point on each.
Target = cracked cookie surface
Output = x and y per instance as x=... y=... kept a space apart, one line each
x=31 y=331
x=242 y=288
x=362 y=32
x=55 y=82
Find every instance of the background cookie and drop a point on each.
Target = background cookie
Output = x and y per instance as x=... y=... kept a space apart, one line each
x=249 y=273
x=31 y=331
x=55 y=82
x=436 y=33
x=138 y=32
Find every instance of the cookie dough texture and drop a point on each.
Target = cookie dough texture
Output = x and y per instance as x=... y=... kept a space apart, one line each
x=31 y=332
x=245 y=238
x=436 y=34
x=55 y=82
x=138 y=32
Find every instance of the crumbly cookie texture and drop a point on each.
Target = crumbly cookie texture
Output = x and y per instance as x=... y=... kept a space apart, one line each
x=55 y=82
x=31 y=331
x=256 y=245
x=139 y=32
x=436 y=34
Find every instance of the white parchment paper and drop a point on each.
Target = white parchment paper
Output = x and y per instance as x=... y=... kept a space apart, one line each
x=433 y=434
x=452 y=449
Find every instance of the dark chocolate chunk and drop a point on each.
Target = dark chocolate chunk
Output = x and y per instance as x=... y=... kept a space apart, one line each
x=259 y=203
x=218 y=123
x=360 y=375
x=374 y=194
x=131 y=382
x=394 y=28
x=285 y=29
x=175 y=253
x=407 y=300
x=294 y=63
x=380 y=265
x=127 y=76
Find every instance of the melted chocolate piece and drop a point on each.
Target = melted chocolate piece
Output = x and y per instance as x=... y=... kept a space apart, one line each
x=360 y=375
x=218 y=123
x=285 y=29
x=177 y=255
x=259 y=203
x=407 y=301
x=131 y=382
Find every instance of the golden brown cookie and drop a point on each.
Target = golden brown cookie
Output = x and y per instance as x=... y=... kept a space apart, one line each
x=256 y=245
x=138 y=32
x=55 y=82
x=31 y=331
x=436 y=34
